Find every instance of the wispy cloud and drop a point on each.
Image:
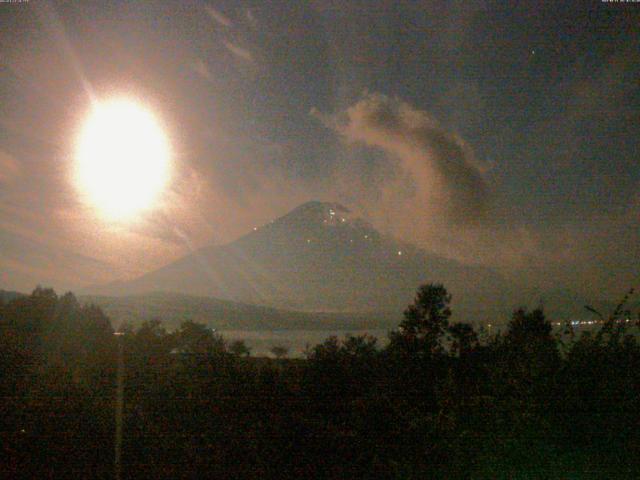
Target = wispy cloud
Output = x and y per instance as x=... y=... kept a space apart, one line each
x=201 y=69
x=218 y=16
x=238 y=51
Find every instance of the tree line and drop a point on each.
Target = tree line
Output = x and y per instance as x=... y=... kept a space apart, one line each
x=440 y=400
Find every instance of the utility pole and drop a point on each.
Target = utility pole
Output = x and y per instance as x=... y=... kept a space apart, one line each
x=119 y=406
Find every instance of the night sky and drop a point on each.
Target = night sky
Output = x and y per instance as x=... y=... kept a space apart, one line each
x=497 y=133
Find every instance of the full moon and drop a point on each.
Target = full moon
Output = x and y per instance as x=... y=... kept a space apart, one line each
x=122 y=159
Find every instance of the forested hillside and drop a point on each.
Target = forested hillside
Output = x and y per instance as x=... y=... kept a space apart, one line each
x=441 y=400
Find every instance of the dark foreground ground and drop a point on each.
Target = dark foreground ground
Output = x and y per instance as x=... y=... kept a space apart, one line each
x=438 y=401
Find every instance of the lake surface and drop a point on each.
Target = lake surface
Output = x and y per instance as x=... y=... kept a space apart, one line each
x=262 y=341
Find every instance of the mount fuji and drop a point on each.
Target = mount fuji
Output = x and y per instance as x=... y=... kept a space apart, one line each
x=319 y=257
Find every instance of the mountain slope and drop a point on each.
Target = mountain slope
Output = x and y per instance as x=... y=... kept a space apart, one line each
x=318 y=257
x=8 y=295
x=173 y=309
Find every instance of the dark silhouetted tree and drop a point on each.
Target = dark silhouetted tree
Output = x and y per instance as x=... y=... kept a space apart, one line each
x=280 y=351
x=239 y=348
x=463 y=338
x=526 y=326
x=425 y=322
x=197 y=338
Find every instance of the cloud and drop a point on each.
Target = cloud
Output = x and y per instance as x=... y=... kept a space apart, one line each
x=218 y=17
x=436 y=166
x=251 y=18
x=231 y=31
x=238 y=51
x=9 y=167
x=201 y=69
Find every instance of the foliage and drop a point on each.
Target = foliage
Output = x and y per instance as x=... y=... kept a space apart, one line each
x=425 y=322
x=464 y=338
x=57 y=371
x=240 y=348
x=280 y=351
x=440 y=401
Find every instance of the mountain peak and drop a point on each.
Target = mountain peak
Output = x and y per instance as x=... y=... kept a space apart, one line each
x=316 y=207
x=315 y=214
x=311 y=220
